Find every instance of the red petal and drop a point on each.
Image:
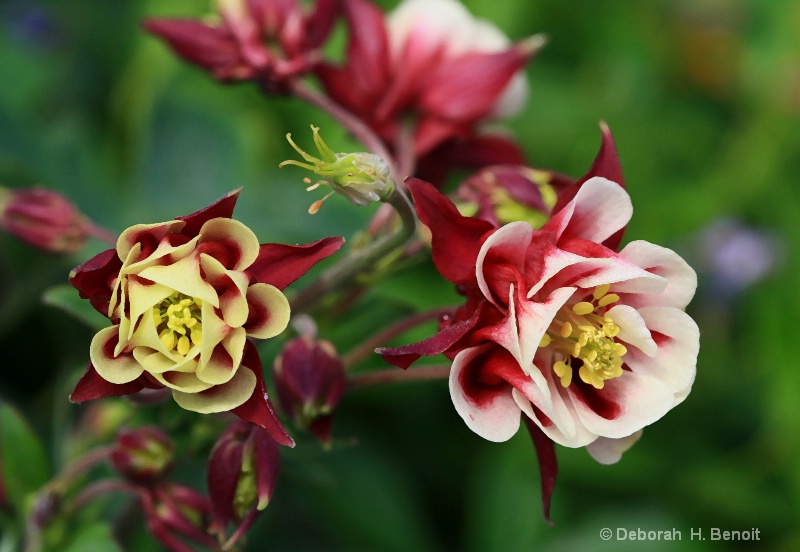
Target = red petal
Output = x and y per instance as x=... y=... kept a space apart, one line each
x=93 y=279
x=606 y=164
x=91 y=386
x=320 y=23
x=368 y=46
x=258 y=409
x=222 y=208
x=280 y=265
x=466 y=88
x=456 y=239
x=548 y=464
x=209 y=47
x=224 y=470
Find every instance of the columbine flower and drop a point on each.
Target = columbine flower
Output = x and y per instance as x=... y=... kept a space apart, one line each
x=242 y=474
x=590 y=344
x=184 y=297
x=44 y=219
x=432 y=59
x=361 y=177
x=269 y=41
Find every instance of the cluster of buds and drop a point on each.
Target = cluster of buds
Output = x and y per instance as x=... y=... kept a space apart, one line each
x=143 y=456
x=44 y=219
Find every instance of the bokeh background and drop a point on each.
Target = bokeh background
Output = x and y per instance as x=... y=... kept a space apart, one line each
x=703 y=98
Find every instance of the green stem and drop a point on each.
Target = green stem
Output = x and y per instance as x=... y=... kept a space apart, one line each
x=396 y=375
x=343 y=272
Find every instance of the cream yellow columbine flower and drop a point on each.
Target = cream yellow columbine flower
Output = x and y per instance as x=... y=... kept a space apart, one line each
x=185 y=297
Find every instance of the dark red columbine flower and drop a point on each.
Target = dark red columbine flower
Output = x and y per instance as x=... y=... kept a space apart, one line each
x=310 y=380
x=431 y=60
x=143 y=455
x=242 y=474
x=176 y=514
x=266 y=41
x=185 y=298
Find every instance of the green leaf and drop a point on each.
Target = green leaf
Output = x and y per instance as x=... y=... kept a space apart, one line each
x=66 y=297
x=24 y=465
x=94 y=538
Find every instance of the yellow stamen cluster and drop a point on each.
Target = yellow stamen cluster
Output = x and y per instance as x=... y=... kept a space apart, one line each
x=584 y=332
x=178 y=320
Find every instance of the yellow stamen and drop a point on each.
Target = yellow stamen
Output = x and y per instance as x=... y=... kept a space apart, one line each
x=600 y=291
x=583 y=308
x=566 y=329
x=546 y=340
x=608 y=299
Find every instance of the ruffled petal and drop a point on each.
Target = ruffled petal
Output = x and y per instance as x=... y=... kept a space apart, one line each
x=231 y=288
x=184 y=277
x=225 y=359
x=184 y=383
x=609 y=451
x=218 y=398
x=269 y=311
x=507 y=247
x=486 y=406
x=230 y=242
x=222 y=208
x=681 y=278
x=117 y=369
x=633 y=329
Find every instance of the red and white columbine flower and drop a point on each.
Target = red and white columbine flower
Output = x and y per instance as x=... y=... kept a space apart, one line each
x=589 y=344
x=185 y=297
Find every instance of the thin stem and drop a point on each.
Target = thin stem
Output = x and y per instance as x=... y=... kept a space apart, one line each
x=406 y=154
x=100 y=233
x=381 y=338
x=353 y=124
x=396 y=375
x=349 y=267
x=100 y=488
x=83 y=464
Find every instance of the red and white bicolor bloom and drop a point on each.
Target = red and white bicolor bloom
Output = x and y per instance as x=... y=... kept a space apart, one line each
x=593 y=345
x=589 y=344
x=185 y=298
x=433 y=60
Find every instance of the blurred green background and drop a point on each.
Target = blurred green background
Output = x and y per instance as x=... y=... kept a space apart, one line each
x=703 y=97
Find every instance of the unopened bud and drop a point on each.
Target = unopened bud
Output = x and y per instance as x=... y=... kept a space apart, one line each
x=361 y=177
x=310 y=380
x=142 y=455
x=43 y=218
x=175 y=513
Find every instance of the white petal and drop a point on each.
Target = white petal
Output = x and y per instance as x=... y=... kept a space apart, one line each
x=681 y=278
x=633 y=329
x=609 y=451
x=510 y=242
x=599 y=209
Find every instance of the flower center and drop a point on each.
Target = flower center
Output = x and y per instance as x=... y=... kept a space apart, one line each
x=583 y=332
x=178 y=320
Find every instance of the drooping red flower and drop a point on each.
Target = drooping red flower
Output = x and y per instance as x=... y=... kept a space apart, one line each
x=267 y=41
x=432 y=60
x=185 y=298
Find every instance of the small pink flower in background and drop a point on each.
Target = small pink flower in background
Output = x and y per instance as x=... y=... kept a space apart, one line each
x=431 y=59
x=310 y=380
x=185 y=297
x=242 y=474
x=43 y=218
x=268 y=41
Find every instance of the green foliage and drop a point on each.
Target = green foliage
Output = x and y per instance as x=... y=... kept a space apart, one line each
x=22 y=458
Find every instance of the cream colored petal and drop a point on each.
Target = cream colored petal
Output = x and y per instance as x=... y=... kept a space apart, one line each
x=225 y=359
x=269 y=311
x=234 y=235
x=186 y=382
x=164 y=248
x=220 y=398
x=214 y=331
x=132 y=236
x=184 y=277
x=143 y=298
x=156 y=362
x=121 y=280
x=233 y=302
x=112 y=367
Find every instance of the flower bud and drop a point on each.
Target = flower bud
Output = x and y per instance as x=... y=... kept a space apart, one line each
x=242 y=474
x=175 y=513
x=142 y=455
x=43 y=218
x=310 y=380
x=361 y=177
x=502 y=194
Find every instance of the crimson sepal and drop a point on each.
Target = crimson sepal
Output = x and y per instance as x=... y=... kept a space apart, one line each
x=258 y=409
x=321 y=21
x=280 y=265
x=224 y=471
x=222 y=208
x=91 y=386
x=456 y=239
x=213 y=49
x=93 y=279
x=606 y=164
x=365 y=76
x=548 y=464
